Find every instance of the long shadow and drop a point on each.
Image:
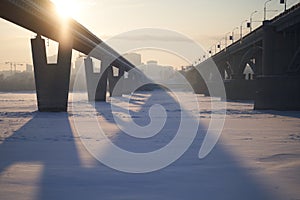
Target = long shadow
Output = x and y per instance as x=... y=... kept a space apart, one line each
x=48 y=139
x=140 y=117
x=218 y=176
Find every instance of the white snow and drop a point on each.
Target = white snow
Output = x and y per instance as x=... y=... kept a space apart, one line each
x=42 y=156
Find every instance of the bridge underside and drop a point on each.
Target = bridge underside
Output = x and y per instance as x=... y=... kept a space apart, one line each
x=52 y=80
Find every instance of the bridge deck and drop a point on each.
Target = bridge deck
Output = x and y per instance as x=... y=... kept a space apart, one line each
x=40 y=17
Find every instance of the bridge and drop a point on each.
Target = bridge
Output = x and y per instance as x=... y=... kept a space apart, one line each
x=273 y=53
x=52 y=80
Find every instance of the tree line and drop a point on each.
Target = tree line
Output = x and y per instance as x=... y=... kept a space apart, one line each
x=24 y=81
x=19 y=81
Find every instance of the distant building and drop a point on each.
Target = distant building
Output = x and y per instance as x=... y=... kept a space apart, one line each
x=157 y=72
x=165 y=75
x=134 y=58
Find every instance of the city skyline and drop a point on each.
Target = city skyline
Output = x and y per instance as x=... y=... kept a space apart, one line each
x=205 y=22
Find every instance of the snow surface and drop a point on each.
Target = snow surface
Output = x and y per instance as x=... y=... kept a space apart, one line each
x=42 y=156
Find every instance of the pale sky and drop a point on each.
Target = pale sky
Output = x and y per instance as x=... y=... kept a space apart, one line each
x=204 y=21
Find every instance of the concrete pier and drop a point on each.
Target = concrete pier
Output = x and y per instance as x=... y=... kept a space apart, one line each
x=116 y=82
x=51 y=80
x=278 y=93
x=91 y=78
x=240 y=89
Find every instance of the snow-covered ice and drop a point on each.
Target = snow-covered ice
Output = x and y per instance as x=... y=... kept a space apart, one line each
x=42 y=155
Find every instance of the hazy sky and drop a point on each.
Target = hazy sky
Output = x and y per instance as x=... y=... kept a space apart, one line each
x=205 y=21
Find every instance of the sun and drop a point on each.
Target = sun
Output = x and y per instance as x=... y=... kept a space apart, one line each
x=67 y=8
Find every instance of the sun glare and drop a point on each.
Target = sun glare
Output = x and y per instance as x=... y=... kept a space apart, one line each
x=67 y=8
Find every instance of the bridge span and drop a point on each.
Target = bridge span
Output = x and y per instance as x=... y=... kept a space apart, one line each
x=272 y=51
x=52 y=80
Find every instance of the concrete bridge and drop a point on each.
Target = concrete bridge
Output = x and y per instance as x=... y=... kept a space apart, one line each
x=52 y=80
x=273 y=53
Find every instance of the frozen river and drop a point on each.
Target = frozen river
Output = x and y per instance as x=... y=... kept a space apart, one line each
x=43 y=156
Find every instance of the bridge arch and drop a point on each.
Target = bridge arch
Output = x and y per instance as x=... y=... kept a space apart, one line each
x=228 y=70
x=250 y=57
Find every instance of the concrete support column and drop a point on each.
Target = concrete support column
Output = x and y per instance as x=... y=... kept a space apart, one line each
x=116 y=81
x=240 y=89
x=102 y=83
x=118 y=91
x=222 y=68
x=111 y=80
x=51 y=80
x=258 y=65
x=278 y=93
x=197 y=81
x=129 y=83
x=91 y=78
x=235 y=64
x=275 y=51
x=276 y=88
x=268 y=48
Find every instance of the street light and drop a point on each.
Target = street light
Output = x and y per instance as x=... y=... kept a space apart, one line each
x=283 y=2
x=249 y=25
x=211 y=50
x=226 y=38
x=241 y=29
x=232 y=36
x=265 y=10
x=219 y=45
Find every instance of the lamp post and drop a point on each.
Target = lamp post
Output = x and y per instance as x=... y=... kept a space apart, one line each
x=265 y=9
x=241 y=29
x=251 y=19
x=232 y=36
x=283 y=2
x=226 y=37
x=215 y=48
x=219 y=44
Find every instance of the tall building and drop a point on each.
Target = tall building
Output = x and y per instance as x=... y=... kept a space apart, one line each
x=157 y=72
x=134 y=58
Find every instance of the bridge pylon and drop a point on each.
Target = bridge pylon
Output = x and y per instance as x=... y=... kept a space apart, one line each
x=116 y=82
x=51 y=80
x=92 y=78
